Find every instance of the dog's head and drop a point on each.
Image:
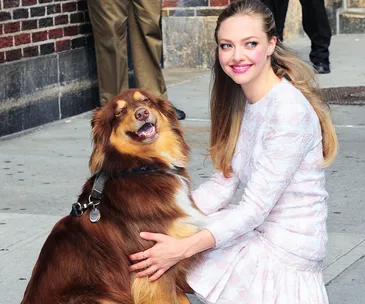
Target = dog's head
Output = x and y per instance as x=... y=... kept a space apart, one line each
x=136 y=125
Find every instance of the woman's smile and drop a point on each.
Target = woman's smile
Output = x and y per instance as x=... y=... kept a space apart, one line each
x=240 y=68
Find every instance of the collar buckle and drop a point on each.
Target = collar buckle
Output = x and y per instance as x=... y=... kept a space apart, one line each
x=76 y=209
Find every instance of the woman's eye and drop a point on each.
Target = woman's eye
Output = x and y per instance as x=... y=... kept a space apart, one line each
x=225 y=46
x=252 y=44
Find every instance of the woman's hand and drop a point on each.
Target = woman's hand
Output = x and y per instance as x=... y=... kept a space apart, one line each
x=155 y=261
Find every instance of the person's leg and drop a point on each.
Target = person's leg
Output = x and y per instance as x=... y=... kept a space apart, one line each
x=279 y=9
x=280 y=16
x=146 y=45
x=109 y=22
x=316 y=26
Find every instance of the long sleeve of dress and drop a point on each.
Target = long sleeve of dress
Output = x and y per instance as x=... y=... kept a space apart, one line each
x=215 y=193
x=288 y=136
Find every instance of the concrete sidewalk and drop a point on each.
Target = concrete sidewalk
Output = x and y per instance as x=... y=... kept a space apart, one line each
x=43 y=171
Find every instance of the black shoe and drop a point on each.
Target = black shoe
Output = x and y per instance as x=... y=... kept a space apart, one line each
x=180 y=114
x=322 y=68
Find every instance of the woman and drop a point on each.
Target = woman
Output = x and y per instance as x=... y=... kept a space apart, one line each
x=270 y=131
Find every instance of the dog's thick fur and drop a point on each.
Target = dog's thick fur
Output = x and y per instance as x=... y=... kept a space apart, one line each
x=84 y=262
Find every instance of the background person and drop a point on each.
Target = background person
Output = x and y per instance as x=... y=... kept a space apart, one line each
x=110 y=20
x=315 y=24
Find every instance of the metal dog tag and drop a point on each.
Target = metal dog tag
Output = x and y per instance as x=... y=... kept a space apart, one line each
x=94 y=215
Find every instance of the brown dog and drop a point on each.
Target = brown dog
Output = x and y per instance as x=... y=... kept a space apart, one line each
x=140 y=150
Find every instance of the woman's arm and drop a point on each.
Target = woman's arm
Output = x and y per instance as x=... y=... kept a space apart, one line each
x=168 y=251
x=291 y=131
x=216 y=193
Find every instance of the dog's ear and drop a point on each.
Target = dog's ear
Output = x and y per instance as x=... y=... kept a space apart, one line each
x=101 y=130
x=101 y=125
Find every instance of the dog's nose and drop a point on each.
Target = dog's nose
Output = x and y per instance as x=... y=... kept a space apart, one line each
x=142 y=114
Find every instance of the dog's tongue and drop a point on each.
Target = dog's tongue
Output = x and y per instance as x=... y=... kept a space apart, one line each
x=147 y=130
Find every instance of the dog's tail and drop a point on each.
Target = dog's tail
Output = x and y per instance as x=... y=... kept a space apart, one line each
x=159 y=292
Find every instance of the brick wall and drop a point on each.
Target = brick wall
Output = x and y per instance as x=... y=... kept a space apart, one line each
x=190 y=3
x=192 y=8
x=30 y=28
x=47 y=62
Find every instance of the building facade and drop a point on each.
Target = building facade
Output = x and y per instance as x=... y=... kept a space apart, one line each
x=47 y=60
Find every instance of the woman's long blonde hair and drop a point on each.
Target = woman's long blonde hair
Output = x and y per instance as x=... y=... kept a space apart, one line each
x=227 y=97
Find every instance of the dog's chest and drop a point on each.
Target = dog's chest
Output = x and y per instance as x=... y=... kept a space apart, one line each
x=183 y=199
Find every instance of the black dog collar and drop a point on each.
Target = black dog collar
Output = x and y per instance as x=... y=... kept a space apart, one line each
x=95 y=196
x=78 y=208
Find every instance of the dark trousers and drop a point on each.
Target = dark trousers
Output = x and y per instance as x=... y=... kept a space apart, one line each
x=315 y=25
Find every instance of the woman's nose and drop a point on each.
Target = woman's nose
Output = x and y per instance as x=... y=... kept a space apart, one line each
x=238 y=54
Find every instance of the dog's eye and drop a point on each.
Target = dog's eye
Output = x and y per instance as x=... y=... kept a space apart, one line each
x=120 y=111
x=146 y=100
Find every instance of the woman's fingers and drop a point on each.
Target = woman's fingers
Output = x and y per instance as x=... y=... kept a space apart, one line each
x=142 y=255
x=140 y=265
x=157 y=237
x=149 y=236
x=155 y=261
x=158 y=273
x=147 y=272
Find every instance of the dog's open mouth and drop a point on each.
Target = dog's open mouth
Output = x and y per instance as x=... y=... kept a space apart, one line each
x=147 y=133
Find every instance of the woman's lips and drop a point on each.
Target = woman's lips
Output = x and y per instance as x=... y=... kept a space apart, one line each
x=240 y=68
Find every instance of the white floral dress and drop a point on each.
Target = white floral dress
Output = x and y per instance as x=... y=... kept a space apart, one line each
x=271 y=246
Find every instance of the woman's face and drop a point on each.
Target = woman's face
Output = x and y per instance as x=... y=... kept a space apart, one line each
x=243 y=48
